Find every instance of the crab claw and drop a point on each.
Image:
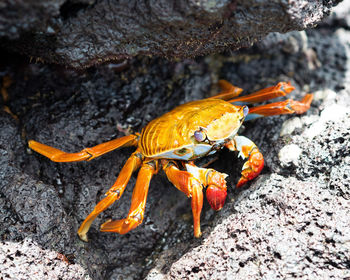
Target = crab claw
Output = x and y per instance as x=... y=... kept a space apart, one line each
x=215 y=183
x=216 y=196
x=216 y=190
x=251 y=168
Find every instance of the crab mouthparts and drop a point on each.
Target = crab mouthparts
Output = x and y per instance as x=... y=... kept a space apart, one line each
x=216 y=196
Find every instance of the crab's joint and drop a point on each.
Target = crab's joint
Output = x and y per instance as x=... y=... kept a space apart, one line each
x=167 y=164
x=115 y=192
x=138 y=217
x=214 y=181
x=139 y=156
x=91 y=156
x=138 y=202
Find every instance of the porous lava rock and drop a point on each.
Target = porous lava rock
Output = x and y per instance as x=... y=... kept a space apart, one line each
x=290 y=222
x=81 y=33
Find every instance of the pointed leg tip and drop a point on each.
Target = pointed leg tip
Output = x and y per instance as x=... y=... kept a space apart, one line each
x=286 y=87
x=104 y=226
x=198 y=234
x=83 y=237
x=241 y=182
x=32 y=143
x=308 y=98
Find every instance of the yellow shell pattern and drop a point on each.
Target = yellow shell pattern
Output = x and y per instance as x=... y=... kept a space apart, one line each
x=171 y=136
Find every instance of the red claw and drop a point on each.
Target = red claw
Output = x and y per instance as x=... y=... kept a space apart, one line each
x=252 y=168
x=216 y=196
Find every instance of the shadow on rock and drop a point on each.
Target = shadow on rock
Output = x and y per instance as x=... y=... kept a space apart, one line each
x=44 y=202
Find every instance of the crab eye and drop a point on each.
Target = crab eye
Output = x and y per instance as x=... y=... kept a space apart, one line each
x=199 y=136
x=245 y=111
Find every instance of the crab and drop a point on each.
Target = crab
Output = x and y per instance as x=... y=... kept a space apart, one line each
x=174 y=140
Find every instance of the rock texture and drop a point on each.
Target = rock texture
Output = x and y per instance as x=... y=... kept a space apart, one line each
x=83 y=32
x=26 y=260
x=290 y=222
x=301 y=231
x=293 y=222
x=283 y=226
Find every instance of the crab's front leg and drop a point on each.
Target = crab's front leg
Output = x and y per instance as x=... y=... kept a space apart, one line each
x=247 y=149
x=191 y=182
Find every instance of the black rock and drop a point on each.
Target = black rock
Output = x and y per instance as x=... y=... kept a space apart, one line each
x=84 y=33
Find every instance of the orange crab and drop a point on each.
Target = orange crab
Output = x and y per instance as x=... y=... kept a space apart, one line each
x=174 y=140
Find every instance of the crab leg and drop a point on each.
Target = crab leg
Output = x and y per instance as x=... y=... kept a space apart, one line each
x=247 y=149
x=191 y=183
x=113 y=194
x=288 y=106
x=138 y=201
x=281 y=89
x=227 y=90
x=85 y=154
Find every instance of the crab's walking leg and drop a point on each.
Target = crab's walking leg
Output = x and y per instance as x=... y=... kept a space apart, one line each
x=227 y=91
x=85 y=154
x=288 y=106
x=247 y=149
x=138 y=201
x=191 y=183
x=281 y=89
x=113 y=194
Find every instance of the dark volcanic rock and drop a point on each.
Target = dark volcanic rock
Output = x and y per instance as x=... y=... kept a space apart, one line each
x=293 y=219
x=45 y=202
x=83 y=33
x=18 y=18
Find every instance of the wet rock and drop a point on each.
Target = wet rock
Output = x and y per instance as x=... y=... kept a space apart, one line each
x=83 y=33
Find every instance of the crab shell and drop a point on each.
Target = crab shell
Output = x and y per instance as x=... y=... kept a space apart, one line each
x=173 y=135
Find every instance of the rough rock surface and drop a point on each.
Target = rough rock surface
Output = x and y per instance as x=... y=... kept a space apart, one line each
x=293 y=222
x=282 y=226
x=26 y=260
x=290 y=222
x=84 y=32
